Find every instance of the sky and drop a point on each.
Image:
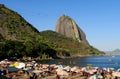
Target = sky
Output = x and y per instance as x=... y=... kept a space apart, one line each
x=99 y=19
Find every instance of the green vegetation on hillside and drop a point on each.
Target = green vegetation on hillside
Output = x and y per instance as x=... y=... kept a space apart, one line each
x=14 y=48
x=13 y=26
x=67 y=46
x=20 y=39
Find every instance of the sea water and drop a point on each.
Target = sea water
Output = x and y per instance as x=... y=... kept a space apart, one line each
x=95 y=61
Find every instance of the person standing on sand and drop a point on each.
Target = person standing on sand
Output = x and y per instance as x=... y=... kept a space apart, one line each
x=30 y=75
x=34 y=76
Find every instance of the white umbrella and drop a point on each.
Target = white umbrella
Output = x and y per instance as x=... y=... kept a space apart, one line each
x=21 y=65
x=91 y=71
x=74 y=68
x=67 y=68
x=33 y=61
x=118 y=70
x=93 y=77
x=28 y=65
x=60 y=66
x=116 y=74
x=77 y=71
x=59 y=69
x=37 y=71
x=62 y=73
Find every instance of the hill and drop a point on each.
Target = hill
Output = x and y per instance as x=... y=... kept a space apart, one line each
x=68 y=46
x=68 y=27
x=114 y=52
x=20 y=39
x=13 y=26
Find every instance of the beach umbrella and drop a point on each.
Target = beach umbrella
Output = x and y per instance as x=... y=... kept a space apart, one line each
x=28 y=65
x=60 y=66
x=2 y=62
x=89 y=66
x=74 y=68
x=59 y=69
x=104 y=69
x=53 y=65
x=33 y=61
x=77 y=71
x=93 y=77
x=15 y=64
x=45 y=66
x=116 y=74
x=112 y=68
x=62 y=73
x=67 y=68
x=37 y=71
x=83 y=69
x=91 y=71
x=118 y=70
x=21 y=65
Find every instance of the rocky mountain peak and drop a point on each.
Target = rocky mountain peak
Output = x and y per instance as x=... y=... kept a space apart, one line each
x=68 y=27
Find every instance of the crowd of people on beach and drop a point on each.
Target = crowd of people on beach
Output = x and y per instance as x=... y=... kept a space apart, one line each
x=34 y=70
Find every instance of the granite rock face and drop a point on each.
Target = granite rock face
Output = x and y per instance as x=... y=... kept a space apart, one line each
x=67 y=26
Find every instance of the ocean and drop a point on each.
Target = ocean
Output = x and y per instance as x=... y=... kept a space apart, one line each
x=95 y=61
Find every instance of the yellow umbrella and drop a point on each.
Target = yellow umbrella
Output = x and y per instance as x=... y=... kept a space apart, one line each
x=15 y=64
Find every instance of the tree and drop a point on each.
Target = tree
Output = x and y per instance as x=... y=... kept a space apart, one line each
x=14 y=48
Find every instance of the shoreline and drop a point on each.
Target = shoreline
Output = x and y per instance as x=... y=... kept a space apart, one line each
x=53 y=71
x=35 y=59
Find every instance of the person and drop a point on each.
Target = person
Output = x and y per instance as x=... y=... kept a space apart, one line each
x=116 y=77
x=2 y=72
x=34 y=76
x=3 y=77
x=94 y=76
x=30 y=75
x=57 y=76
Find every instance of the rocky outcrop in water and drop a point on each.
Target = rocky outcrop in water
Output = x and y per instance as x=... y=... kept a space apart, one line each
x=67 y=26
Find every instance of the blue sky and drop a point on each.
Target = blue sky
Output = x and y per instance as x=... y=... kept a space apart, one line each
x=99 y=19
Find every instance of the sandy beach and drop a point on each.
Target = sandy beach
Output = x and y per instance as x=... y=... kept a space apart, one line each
x=33 y=70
